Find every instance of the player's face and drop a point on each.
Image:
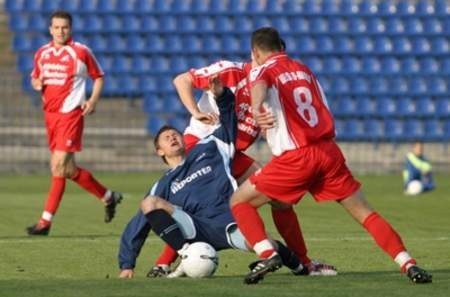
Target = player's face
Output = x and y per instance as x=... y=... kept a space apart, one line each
x=60 y=30
x=170 y=144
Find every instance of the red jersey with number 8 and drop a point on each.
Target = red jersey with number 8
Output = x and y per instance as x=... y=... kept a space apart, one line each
x=297 y=101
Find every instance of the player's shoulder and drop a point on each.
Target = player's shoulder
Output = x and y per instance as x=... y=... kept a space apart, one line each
x=259 y=70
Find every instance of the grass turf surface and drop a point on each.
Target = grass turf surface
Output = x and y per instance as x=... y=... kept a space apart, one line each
x=79 y=258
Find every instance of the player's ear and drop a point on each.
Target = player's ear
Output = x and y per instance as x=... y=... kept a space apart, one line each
x=160 y=152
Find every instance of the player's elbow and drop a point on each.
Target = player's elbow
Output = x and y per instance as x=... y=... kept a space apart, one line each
x=182 y=80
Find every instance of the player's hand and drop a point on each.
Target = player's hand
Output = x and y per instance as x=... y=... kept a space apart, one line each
x=88 y=107
x=215 y=86
x=265 y=119
x=209 y=118
x=37 y=83
x=126 y=273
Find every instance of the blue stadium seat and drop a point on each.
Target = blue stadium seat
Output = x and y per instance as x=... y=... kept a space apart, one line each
x=339 y=126
x=314 y=63
x=87 y=6
x=105 y=6
x=180 y=122
x=351 y=64
x=180 y=7
x=106 y=62
x=205 y=23
x=116 y=43
x=192 y=43
x=163 y=6
x=14 y=5
x=425 y=106
x=131 y=23
x=38 y=40
x=293 y=7
x=129 y=86
x=199 y=6
x=21 y=43
x=18 y=22
x=164 y=83
x=337 y=25
x=124 y=6
x=167 y=23
x=437 y=85
x=66 y=5
x=353 y=130
x=173 y=104
x=52 y=5
x=402 y=45
x=444 y=66
x=261 y=21
x=386 y=107
x=155 y=122
x=378 y=85
x=236 y=6
x=24 y=63
x=340 y=85
x=359 y=85
x=368 y=7
x=405 y=7
x=311 y=7
x=112 y=23
x=390 y=65
x=383 y=45
x=357 y=25
x=230 y=44
x=348 y=7
x=433 y=130
x=225 y=24
x=440 y=45
x=186 y=23
x=376 y=26
x=256 y=6
x=143 y=6
x=150 y=23
x=217 y=6
x=394 y=26
x=147 y=84
x=363 y=44
x=111 y=86
x=409 y=65
x=179 y=64
x=318 y=25
x=197 y=62
x=446 y=128
x=421 y=45
x=32 y=5
x=432 y=26
x=406 y=106
x=413 y=130
x=93 y=23
x=425 y=7
x=386 y=8
x=160 y=64
x=428 y=65
x=343 y=44
x=305 y=45
x=154 y=43
x=365 y=106
x=282 y=25
x=332 y=65
x=417 y=85
x=398 y=85
x=442 y=7
x=78 y=23
x=37 y=23
x=373 y=129
x=393 y=130
x=324 y=44
x=413 y=26
x=140 y=64
x=172 y=44
x=274 y=6
x=330 y=7
x=344 y=106
x=370 y=64
x=26 y=85
x=135 y=43
x=98 y=44
x=153 y=103
x=121 y=64
x=299 y=25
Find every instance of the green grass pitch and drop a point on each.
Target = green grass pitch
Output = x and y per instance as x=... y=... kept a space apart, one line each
x=79 y=258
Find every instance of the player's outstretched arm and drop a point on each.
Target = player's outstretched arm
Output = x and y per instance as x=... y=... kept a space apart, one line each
x=185 y=89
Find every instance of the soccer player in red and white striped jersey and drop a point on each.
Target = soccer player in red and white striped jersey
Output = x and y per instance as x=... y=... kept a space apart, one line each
x=204 y=116
x=289 y=104
x=61 y=68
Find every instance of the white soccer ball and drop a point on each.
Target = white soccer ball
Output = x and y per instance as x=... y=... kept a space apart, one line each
x=200 y=259
x=414 y=187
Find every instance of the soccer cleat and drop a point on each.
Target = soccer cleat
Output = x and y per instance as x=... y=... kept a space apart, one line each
x=159 y=271
x=315 y=268
x=110 y=208
x=38 y=229
x=418 y=275
x=260 y=268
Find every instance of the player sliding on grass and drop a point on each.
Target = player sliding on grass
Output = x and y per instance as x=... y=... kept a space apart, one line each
x=190 y=202
x=300 y=132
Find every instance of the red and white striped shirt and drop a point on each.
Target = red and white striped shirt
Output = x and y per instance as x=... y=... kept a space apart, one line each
x=233 y=75
x=64 y=71
x=297 y=101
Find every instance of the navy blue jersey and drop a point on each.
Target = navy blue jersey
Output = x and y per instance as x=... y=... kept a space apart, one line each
x=418 y=168
x=202 y=186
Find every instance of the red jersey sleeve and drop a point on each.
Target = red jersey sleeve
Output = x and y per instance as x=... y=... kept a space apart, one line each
x=36 y=71
x=230 y=73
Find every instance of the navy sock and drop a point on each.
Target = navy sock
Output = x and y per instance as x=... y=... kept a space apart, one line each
x=289 y=259
x=166 y=228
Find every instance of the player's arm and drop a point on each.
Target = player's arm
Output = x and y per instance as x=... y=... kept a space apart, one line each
x=185 y=88
x=225 y=99
x=89 y=106
x=263 y=117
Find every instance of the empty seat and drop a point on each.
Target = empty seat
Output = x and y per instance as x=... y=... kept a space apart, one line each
x=155 y=122
x=135 y=43
x=173 y=104
x=121 y=64
x=37 y=23
x=378 y=85
x=93 y=23
x=197 y=62
x=440 y=45
x=128 y=86
x=383 y=45
x=143 y=6
x=368 y=7
x=186 y=24
x=164 y=5
x=405 y=7
x=106 y=62
x=446 y=128
x=131 y=23
x=393 y=130
x=406 y=106
x=370 y=64
x=229 y=44
x=425 y=106
x=124 y=6
x=298 y=25
x=332 y=65
x=282 y=25
x=428 y=65
x=236 y=6
x=160 y=64
x=14 y=5
x=444 y=66
x=105 y=6
x=433 y=130
x=293 y=7
x=409 y=65
x=98 y=43
x=178 y=6
x=38 y=40
x=343 y=44
x=376 y=26
x=261 y=21
x=363 y=44
x=205 y=23
x=394 y=25
x=359 y=85
x=386 y=8
x=351 y=64
x=344 y=106
x=147 y=84
x=18 y=22
x=318 y=25
x=413 y=26
x=413 y=130
x=324 y=44
x=353 y=130
x=167 y=23
x=337 y=25
x=425 y=7
x=52 y=5
x=314 y=63
x=305 y=45
x=87 y=6
x=274 y=6
x=385 y=106
x=398 y=85
x=256 y=6
x=179 y=121
x=437 y=85
x=432 y=26
x=154 y=43
x=390 y=65
x=191 y=44
x=340 y=85
x=112 y=23
x=311 y=7
x=217 y=6
x=178 y=64
x=140 y=64
x=421 y=45
x=199 y=6
x=357 y=25
x=373 y=129
x=365 y=106
x=164 y=84
x=21 y=43
x=402 y=45
x=225 y=24
x=417 y=85
x=116 y=43
x=24 y=63
x=329 y=7
x=153 y=103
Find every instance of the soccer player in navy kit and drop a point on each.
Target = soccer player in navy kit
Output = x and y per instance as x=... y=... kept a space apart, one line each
x=191 y=201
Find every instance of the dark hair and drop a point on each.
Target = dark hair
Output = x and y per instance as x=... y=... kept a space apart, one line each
x=158 y=134
x=267 y=39
x=61 y=14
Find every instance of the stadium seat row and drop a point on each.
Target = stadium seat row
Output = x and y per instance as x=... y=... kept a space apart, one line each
x=324 y=7
x=430 y=25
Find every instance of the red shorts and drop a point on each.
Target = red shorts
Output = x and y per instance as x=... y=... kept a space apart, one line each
x=64 y=130
x=318 y=168
x=241 y=162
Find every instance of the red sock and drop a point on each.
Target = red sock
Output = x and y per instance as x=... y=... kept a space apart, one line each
x=252 y=227
x=55 y=193
x=384 y=235
x=167 y=257
x=85 y=180
x=288 y=226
